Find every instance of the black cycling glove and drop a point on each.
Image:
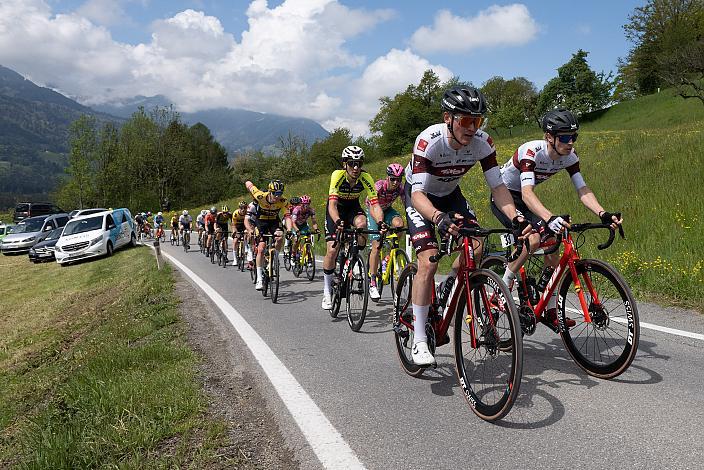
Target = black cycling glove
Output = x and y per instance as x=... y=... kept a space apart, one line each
x=607 y=217
x=444 y=222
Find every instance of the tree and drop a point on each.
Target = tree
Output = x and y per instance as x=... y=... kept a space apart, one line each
x=665 y=34
x=325 y=154
x=576 y=87
x=81 y=161
x=510 y=102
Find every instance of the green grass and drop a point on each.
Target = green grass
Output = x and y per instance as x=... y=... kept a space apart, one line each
x=642 y=158
x=95 y=369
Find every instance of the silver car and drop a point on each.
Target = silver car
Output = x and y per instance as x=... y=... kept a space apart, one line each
x=26 y=232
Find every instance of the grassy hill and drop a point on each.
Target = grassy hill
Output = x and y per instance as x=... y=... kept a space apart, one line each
x=642 y=158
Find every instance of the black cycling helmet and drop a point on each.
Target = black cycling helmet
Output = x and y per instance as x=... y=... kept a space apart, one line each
x=559 y=120
x=465 y=100
x=295 y=200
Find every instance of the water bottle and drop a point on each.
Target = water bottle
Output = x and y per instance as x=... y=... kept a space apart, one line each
x=544 y=278
x=384 y=263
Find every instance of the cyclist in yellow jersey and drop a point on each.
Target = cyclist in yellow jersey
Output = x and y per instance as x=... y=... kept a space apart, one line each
x=268 y=221
x=344 y=209
x=238 y=228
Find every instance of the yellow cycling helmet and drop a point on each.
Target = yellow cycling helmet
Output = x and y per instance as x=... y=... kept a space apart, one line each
x=225 y=209
x=276 y=186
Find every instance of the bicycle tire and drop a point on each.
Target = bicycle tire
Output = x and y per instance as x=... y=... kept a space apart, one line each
x=490 y=375
x=240 y=255
x=253 y=271
x=275 y=275
x=212 y=250
x=403 y=322
x=309 y=261
x=600 y=337
x=265 y=282
x=357 y=293
x=173 y=240
x=398 y=263
x=379 y=273
x=287 y=257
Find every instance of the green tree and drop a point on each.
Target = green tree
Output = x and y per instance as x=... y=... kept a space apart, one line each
x=81 y=163
x=325 y=154
x=577 y=87
x=510 y=102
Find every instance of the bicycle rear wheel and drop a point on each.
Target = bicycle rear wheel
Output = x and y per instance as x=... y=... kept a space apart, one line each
x=607 y=345
x=357 y=293
x=336 y=296
x=274 y=278
x=403 y=321
x=309 y=261
x=240 y=255
x=489 y=375
x=398 y=262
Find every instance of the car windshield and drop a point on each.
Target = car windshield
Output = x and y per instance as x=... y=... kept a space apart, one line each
x=83 y=225
x=28 y=225
x=54 y=234
x=2 y=230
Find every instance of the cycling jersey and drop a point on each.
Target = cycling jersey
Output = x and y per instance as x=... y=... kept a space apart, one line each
x=223 y=219
x=300 y=215
x=532 y=165
x=342 y=191
x=174 y=221
x=238 y=217
x=199 y=220
x=386 y=196
x=209 y=219
x=158 y=220
x=253 y=211
x=267 y=210
x=436 y=168
x=185 y=220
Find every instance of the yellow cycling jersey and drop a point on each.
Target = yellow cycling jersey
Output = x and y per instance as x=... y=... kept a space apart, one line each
x=174 y=221
x=237 y=218
x=342 y=191
x=223 y=218
x=267 y=210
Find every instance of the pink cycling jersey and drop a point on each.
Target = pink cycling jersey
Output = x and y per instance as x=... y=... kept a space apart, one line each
x=385 y=195
x=300 y=215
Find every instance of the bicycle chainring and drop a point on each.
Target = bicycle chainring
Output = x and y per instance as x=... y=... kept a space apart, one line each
x=527 y=318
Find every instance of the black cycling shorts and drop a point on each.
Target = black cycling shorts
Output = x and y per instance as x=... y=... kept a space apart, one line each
x=348 y=212
x=521 y=209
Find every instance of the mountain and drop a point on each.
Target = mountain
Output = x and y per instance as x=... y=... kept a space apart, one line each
x=34 y=123
x=238 y=130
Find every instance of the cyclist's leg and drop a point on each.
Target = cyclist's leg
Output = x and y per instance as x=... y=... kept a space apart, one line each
x=330 y=256
x=374 y=250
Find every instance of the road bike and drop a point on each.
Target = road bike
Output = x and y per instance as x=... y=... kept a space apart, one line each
x=604 y=340
x=186 y=240
x=221 y=243
x=392 y=262
x=286 y=252
x=304 y=259
x=239 y=250
x=351 y=278
x=174 y=238
x=271 y=272
x=161 y=233
x=488 y=345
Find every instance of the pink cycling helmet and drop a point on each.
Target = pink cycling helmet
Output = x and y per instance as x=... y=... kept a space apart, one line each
x=305 y=199
x=394 y=170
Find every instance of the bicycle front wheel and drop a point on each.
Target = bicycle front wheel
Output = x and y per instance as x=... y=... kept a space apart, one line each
x=606 y=346
x=488 y=345
x=357 y=293
x=287 y=257
x=403 y=321
x=398 y=262
x=274 y=278
x=309 y=261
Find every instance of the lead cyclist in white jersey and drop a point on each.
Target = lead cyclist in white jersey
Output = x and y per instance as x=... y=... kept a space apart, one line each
x=442 y=154
x=532 y=164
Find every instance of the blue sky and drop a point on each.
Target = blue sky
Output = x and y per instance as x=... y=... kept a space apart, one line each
x=329 y=60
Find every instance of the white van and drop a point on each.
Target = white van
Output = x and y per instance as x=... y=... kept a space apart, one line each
x=95 y=235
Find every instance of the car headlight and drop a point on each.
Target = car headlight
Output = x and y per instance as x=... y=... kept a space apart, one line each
x=96 y=240
x=30 y=239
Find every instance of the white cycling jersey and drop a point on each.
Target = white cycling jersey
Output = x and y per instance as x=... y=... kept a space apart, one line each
x=199 y=220
x=436 y=168
x=185 y=219
x=531 y=165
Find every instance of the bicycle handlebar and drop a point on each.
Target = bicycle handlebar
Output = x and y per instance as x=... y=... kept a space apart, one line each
x=589 y=226
x=477 y=232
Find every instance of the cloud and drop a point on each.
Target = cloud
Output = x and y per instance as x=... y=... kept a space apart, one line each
x=104 y=12
x=292 y=59
x=509 y=25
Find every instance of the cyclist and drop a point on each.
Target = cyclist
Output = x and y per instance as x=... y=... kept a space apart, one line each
x=209 y=221
x=269 y=204
x=533 y=163
x=174 y=226
x=139 y=220
x=200 y=223
x=343 y=209
x=387 y=190
x=185 y=222
x=250 y=224
x=299 y=218
x=288 y=223
x=222 y=221
x=238 y=229
x=442 y=154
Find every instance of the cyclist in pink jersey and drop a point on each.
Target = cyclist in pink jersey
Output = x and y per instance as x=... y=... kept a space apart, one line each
x=387 y=191
x=299 y=220
x=532 y=164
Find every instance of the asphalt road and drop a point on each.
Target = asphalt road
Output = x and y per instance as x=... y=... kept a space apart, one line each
x=652 y=416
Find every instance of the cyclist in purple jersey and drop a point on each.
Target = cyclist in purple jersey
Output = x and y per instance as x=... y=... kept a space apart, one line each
x=387 y=190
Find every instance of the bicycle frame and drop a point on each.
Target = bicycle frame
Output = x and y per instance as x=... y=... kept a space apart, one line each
x=386 y=275
x=567 y=261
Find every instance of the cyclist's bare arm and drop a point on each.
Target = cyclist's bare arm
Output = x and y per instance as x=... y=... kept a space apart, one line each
x=589 y=200
x=377 y=212
x=533 y=203
x=504 y=201
x=332 y=208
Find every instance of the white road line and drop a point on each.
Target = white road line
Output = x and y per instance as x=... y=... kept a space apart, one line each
x=327 y=443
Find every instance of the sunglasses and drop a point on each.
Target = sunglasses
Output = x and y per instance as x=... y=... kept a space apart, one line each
x=354 y=164
x=278 y=193
x=395 y=180
x=466 y=121
x=566 y=138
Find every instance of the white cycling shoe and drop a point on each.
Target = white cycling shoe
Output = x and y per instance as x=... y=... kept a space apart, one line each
x=327 y=302
x=374 y=293
x=421 y=355
x=260 y=284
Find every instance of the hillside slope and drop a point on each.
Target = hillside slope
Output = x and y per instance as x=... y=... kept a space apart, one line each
x=642 y=158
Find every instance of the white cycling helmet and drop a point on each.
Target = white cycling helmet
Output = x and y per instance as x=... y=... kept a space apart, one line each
x=159 y=213
x=352 y=152
x=185 y=212
x=203 y=212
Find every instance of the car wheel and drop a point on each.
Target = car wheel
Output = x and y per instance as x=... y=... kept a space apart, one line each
x=133 y=240
x=108 y=250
